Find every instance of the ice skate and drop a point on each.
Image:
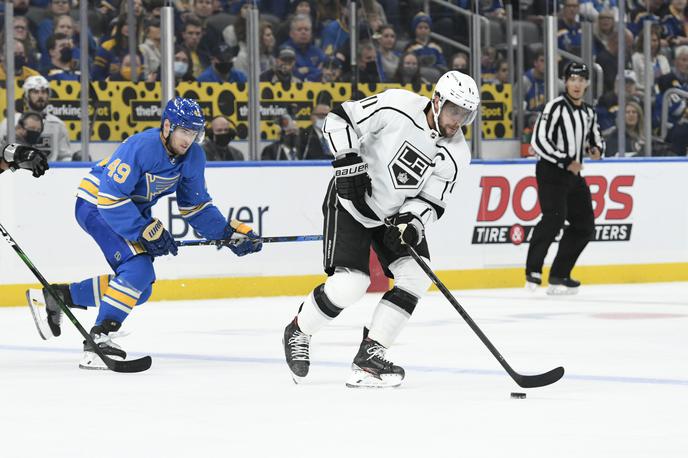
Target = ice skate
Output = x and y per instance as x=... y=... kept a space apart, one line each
x=46 y=312
x=533 y=281
x=296 y=346
x=370 y=369
x=102 y=335
x=562 y=286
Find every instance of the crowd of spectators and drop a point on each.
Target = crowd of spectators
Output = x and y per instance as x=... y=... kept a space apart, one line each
x=308 y=40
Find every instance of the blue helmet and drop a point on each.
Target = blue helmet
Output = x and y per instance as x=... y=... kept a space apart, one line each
x=185 y=113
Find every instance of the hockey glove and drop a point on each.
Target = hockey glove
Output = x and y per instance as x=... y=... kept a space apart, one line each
x=404 y=229
x=351 y=177
x=25 y=157
x=241 y=239
x=157 y=240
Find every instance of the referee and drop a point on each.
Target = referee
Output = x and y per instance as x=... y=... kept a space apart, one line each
x=565 y=130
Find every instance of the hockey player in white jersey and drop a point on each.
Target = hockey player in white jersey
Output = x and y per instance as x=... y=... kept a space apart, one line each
x=398 y=156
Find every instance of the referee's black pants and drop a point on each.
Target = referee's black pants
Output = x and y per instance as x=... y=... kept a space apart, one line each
x=563 y=197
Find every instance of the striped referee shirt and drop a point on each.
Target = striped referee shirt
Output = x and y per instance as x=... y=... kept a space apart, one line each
x=564 y=132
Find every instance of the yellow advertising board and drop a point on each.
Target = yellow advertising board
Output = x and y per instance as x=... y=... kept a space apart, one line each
x=122 y=109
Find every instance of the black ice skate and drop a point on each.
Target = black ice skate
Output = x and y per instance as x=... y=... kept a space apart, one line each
x=296 y=346
x=370 y=369
x=562 y=286
x=533 y=280
x=102 y=335
x=46 y=312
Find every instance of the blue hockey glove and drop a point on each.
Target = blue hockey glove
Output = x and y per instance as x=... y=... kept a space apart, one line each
x=157 y=240
x=406 y=229
x=241 y=239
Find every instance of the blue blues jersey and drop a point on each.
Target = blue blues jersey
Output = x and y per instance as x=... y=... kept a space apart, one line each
x=126 y=185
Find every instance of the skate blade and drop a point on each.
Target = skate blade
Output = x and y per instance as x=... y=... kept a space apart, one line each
x=561 y=290
x=297 y=380
x=363 y=379
x=40 y=317
x=91 y=361
x=532 y=287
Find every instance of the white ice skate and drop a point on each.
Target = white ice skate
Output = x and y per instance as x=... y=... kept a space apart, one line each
x=36 y=301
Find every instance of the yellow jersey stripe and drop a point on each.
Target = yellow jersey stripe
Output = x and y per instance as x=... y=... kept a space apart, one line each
x=115 y=304
x=120 y=297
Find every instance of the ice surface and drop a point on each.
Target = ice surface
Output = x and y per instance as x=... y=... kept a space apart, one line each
x=219 y=385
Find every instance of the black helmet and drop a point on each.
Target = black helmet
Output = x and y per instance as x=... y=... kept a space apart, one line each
x=576 y=68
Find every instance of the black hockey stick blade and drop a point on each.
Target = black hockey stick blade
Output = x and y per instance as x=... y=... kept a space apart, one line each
x=524 y=381
x=536 y=381
x=135 y=365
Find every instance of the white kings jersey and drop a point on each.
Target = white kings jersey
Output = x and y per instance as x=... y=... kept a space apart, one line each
x=411 y=167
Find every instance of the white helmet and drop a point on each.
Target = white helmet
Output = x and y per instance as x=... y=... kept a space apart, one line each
x=461 y=90
x=35 y=82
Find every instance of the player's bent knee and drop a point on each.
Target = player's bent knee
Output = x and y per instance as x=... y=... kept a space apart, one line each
x=346 y=286
x=410 y=277
x=137 y=271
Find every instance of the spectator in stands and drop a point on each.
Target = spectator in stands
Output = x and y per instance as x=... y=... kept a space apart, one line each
x=27 y=130
x=635 y=138
x=110 y=53
x=502 y=73
x=460 y=63
x=283 y=71
x=23 y=33
x=21 y=70
x=203 y=9
x=678 y=106
x=126 y=71
x=62 y=65
x=367 y=64
x=429 y=53
x=534 y=84
x=309 y=57
x=603 y=27
x=387 y=55
x=235 y=36
x=335 y=35
x=592 y=9
x=569 y=34
x=45 y=27
x=221 y=67
x=307 y=8
x=409 y=71
x=66 y=25
x=267 y=47
x=312 y=144
x=191 y=37
x=608 y=104
x=151 y=50
x=218 y=136
x=332 y=70
x=608 y=60
x=182 y=65
x=660 y=64
x=488 y=63
x=647 y=10
x=674 y=24
x=287 y=146
x=371 y=15
x=54 y=139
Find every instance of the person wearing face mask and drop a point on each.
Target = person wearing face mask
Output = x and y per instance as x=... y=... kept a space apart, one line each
x=125 y=69
x=114 y=205
x=221 y=68
x=183 y=71
x=286 y=148
x=313 y=144
x=62 y=66
x=217 y=138
x=55 y=138
x=23 y=154
x=368 y=72
x=408 y=71
x=282 y=72
x=21 y=70
x=29 y=128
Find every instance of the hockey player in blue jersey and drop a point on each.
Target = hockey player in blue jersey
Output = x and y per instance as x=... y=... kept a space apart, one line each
x=113 y=206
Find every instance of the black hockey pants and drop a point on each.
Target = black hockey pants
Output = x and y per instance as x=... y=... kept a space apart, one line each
x=563 y=197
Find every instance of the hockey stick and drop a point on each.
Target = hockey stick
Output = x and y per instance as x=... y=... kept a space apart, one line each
x=136 y=365
x=524 y=381
x=283 y=238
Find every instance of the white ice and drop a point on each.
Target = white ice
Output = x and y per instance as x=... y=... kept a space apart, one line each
x=219 y=385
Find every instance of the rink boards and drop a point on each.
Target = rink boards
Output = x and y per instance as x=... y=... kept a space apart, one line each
x=481 y=241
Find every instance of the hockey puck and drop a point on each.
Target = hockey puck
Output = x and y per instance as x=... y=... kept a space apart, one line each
x=518 y=395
